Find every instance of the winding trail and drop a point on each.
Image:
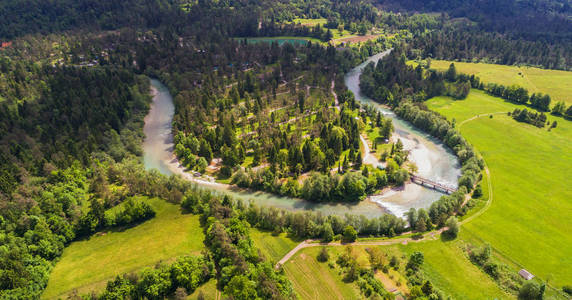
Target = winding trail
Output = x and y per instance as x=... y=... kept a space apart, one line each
x=316 y=243
x=481 y=115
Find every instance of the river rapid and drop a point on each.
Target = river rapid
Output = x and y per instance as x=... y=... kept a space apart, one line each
x=434 y=161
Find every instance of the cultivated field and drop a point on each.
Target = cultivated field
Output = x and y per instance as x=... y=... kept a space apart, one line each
x=558 y=84
x=529 y=219
x=87 y=265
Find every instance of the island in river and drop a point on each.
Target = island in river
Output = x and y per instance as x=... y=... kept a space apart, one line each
x=433 y=161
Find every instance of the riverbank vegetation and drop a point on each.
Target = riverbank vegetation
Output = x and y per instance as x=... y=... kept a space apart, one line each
x=395 y=83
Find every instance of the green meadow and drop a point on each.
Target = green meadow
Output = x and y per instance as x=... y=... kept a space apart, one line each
x=297 y=40
x=315 y=280
x=452 y=272
x=87 y=265
x=273 y=247
x=556 y=83
x=528 y=222
x=445 y=265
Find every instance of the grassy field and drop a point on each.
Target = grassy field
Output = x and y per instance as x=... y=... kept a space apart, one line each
x=558 y=84
x=282 y=39
x=529 y=219
x=445 y=265
x=87 y=265
x=452 y=272
x=272 y=247
x=314 y=280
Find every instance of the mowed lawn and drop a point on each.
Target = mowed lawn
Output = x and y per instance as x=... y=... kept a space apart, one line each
x=556 y=83
x=87 y=265
x=529 y=220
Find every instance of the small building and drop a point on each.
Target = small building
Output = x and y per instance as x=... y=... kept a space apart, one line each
x=525 y=274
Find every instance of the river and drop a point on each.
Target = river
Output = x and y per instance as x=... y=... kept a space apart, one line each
x=432 y=159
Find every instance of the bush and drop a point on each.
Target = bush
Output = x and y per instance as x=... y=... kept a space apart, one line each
x=492 y=269
x=350 y=235
x=453 y=227
x=531 y=291
x=415 y=261
x=134 y=212
x=478 y=192
x=323 y=256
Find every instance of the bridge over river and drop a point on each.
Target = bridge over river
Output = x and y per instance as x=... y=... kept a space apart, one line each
x=431 y=184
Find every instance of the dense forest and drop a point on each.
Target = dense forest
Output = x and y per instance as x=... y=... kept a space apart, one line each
x=543 y=19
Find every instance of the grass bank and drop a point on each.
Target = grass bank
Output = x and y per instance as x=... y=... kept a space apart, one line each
x=87 y=265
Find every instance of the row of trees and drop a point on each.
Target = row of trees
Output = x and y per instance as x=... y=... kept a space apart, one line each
x=536 y=119
x=313 y=225
x=516 y=94
x=240 y=271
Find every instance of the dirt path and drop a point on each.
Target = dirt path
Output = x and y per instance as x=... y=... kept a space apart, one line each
x=316 y=243
x=368 y=158
x=487 y=173
x=332 y=89
x=489 y=201
x=478 y=116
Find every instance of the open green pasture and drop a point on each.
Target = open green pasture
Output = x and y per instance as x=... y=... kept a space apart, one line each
x=445 y=265
x=450 y=270
x=315 y=280
x=556 y=83
x=297 y=40
x=273 y=247
x=86 y=265
x=529 y=220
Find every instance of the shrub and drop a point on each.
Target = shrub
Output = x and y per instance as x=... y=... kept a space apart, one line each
x=478 y=192
x=453 y=227
x=350 y=235
x=134 y=212
x=323 y=256
x=531 y=291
